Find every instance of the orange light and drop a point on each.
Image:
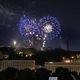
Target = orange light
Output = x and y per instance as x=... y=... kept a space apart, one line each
x=67 y=61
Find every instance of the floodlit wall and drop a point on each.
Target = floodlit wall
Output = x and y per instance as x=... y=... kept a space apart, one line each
x=71 y=66
x=23 y=64
x=19 y=64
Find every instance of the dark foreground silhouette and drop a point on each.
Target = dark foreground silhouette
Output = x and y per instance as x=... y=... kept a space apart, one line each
x=38 y=74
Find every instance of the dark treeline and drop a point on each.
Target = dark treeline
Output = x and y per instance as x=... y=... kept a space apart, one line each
x=39 y=56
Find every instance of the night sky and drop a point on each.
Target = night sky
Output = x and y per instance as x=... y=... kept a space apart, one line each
x=66 y=11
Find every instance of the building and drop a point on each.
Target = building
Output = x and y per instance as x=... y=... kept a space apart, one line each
x=19 y=64
x=71 y=66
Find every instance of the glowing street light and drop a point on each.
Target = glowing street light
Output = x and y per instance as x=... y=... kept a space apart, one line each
x=14 y=43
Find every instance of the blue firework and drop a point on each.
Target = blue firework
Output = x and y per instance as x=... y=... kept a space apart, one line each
x=49 y=26
x=27 y=27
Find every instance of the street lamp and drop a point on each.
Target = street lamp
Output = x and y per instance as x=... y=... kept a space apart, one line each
x=14 y=43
